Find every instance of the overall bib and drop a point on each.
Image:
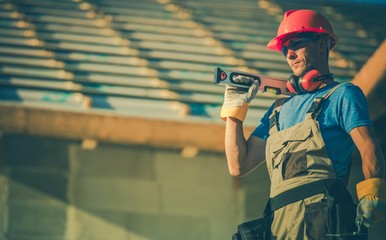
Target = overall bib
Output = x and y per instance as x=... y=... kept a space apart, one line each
x=297 y=156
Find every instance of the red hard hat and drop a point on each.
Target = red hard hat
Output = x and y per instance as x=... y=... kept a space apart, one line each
x=301 y=21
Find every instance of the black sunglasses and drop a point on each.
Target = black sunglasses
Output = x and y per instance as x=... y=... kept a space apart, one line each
x=296 y=44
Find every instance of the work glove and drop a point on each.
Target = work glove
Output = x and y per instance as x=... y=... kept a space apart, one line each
x=372 y=201
x=236 y=99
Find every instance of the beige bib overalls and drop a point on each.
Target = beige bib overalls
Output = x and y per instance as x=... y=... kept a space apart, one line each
x=296 y=156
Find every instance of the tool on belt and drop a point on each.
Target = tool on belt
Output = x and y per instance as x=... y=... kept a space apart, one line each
x=360 y=232
x=223 y=76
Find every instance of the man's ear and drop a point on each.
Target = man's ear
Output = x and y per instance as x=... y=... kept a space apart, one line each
x=323 y=45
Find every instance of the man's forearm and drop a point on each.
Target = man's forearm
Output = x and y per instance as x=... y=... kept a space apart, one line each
x=373 y=162
x=235 y=145
x=373 y=165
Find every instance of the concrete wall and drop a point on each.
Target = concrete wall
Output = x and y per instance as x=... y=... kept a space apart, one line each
x=54 y=189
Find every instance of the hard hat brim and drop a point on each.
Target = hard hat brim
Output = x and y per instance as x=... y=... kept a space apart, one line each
x=277 y=42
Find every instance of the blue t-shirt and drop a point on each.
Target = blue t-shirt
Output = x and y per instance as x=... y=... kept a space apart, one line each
x=344 y=110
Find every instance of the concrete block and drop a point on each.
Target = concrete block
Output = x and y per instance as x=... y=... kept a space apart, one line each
x=199 y=200
x=100 y=225
x=37 y=218
x=254 y=189
x=258 y=178
x=20 y=192
x=3 y=219
x=171 y=227
x=207 y=169
x=3 y=205
x=116 y=194
x=3 y=188
x=223 y=228
x=3 y=148
x=30 y=151
x=253 y=202
x=109 y=160
x=29 y=236
x=38 y=185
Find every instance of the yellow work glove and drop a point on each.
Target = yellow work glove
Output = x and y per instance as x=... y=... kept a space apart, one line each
x=372 y=201
x=236 y=99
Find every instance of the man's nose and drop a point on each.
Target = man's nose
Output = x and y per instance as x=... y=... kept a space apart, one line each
x=291 y=54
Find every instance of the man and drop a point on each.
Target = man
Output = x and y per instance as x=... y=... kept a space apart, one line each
x=308 y=139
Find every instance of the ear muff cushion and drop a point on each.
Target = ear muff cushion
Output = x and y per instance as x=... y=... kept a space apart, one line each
x=292 y=84
x=309 y=82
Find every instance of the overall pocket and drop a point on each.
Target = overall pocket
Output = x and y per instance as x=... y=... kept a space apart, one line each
x=294 y=164
x=315 y=215
x=294 y=159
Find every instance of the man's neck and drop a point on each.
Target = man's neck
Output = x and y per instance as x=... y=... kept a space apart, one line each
x=327 y=82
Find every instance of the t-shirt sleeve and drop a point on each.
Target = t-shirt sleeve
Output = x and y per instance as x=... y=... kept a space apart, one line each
x=262 y=130
x=354 y=109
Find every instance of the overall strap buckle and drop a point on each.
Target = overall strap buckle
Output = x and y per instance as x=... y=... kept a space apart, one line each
x=316 y=107
x=317 y=104
x=274 y=117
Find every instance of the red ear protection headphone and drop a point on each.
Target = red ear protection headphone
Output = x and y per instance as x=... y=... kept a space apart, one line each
x=308 y=83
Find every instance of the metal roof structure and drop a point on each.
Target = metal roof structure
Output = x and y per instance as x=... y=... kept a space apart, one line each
x=142 y=71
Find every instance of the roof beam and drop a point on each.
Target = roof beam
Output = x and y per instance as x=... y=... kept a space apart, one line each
x=371 y=79
x=109 y=127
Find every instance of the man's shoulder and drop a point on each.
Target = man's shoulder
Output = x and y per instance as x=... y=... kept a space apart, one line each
x=349 y=87
x=347 y=90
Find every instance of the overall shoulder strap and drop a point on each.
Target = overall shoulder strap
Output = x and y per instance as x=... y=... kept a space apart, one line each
x=274 y=117
x=332 y=90
x=317 y=104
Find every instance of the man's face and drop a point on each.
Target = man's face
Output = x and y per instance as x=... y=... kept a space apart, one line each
x=301 y=54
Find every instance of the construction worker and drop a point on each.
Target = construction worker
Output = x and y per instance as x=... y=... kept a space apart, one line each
x=307 y=139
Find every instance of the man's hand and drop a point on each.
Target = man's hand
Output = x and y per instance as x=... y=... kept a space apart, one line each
x=372 y=196
x=236 y=99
